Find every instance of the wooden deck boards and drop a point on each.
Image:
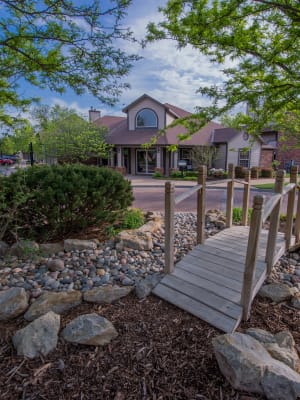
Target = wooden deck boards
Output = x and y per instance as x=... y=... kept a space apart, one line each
x=208 y=281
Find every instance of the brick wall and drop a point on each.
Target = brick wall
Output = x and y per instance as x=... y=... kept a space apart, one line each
x=288 y=154
x=266 y=158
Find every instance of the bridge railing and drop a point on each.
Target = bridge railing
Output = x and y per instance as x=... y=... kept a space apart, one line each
x=262 y=210
x=171 y=201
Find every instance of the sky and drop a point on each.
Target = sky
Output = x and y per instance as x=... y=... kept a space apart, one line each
x=164 y=72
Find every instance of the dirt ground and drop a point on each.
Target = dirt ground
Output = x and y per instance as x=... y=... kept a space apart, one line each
x=161 y=352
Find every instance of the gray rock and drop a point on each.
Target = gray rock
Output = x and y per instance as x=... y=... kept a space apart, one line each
x=261 y=335
x=55 y=264
x=39 y=337
x=4 y=247
x=24 y=248
x=144 y=287
x=51 y=248
x=248 y=366
x=58 y=302
x=106 y=295
x=296 y=301
x=13 y=302
x=134 y=239
x=79 y=245
x=277 y=292
x=90 y=329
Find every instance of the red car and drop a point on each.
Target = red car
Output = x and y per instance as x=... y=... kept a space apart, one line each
x=6 y=161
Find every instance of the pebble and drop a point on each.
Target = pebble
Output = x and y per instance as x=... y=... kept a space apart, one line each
x=82 y=270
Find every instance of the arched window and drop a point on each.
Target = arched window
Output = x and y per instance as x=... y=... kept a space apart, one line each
x=146 y=118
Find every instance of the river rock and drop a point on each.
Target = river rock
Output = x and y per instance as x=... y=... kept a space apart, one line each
x=90 y=329
x=39 y=337
x=277 y=292
x=58 y=302
x=296 y=301
x=55 y=264
x=248 y=366
x=13 y=302
x=80 y=245
x=106 y=294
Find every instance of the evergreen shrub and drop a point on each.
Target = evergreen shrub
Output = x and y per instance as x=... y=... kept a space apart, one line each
x=45 y=202
x=240 y=172
x=267 y=173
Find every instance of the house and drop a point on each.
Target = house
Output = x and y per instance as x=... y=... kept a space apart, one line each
x=146 y=116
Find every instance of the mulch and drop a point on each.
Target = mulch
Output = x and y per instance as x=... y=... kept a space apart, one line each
x=161 y=352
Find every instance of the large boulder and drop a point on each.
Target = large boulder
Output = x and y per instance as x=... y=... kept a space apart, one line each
x=106 y=294
x=277 y=292
x=24 y=248
x=145 y=286
x=39 y=337
x=58 y=302
x=134 y=239
x=13 y=302
x=90 y=329
x=248 y=366
x=80 y=245
x=48 y=249
x=55 y=264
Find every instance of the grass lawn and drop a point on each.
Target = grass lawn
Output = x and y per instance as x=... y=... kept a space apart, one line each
x=269 y=186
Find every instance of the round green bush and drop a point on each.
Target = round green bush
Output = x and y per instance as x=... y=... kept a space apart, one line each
x=45 y=202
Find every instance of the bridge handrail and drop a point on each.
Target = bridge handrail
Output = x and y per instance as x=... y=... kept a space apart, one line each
x=270 y=205
x=187 y=193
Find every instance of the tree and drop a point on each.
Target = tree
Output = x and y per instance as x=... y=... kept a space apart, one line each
x=61 y=44
x=260 y=38
x=203 y=155
x=18 y=138
x=65 y=135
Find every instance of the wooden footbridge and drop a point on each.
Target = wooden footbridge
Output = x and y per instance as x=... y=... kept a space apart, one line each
x=218 y=280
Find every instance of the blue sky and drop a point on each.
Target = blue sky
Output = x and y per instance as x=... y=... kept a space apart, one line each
x=165 y=73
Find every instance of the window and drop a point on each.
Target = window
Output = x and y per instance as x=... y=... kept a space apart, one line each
x=146 y=118
x=244 y=158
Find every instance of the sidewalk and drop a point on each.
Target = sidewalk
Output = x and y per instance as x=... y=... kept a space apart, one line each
x=148 y=181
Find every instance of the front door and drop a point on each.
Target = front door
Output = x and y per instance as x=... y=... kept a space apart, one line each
x=146 y=161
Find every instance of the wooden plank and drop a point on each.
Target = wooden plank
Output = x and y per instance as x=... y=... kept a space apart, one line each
x=214 y=287
x=218 y=269
x=202 y=295
x=210 y=276
x=225 y=255
x=169 y=227
x=213 y=317
x=201 y=195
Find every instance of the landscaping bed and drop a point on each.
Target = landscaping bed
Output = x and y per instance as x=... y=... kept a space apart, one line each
x=161 y=352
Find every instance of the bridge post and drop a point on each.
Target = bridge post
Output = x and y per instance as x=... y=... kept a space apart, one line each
x=251 y=256
x=246 y=198
x=202 y=173
x=297 y=222
x=274 y=222
x=169 y=227
x=290 y=207
x=230 y=191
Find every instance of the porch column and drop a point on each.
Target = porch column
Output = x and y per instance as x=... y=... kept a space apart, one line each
x=175 y=159
x=158 y=157
x=112 y=158
x=119 y=156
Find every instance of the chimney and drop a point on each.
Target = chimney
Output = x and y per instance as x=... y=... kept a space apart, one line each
x=94 y=114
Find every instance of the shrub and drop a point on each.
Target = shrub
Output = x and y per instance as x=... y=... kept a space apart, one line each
x=157 y=174
x=45 y=202
x=133 y=218
x=255 y=172
x=176 y=174
x=240 y=172
x=217 y=173
x=237 y=214
x=267 y=173
x=191 y=174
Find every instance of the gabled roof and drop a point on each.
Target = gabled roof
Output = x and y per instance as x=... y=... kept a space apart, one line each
x=109 y=121
x=144 y=96
x=176 y=111
x=224 y=135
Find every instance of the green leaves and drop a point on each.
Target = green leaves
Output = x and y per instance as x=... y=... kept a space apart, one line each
x=61 y=44
x=261 y=37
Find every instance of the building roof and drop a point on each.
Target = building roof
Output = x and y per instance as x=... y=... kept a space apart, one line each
x=224 y=135
x=176 y=111
x=109 y=121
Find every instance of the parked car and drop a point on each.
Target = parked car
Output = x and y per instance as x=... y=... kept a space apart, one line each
x=6 y=161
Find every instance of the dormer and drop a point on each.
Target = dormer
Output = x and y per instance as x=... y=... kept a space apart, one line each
x=147 y=113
